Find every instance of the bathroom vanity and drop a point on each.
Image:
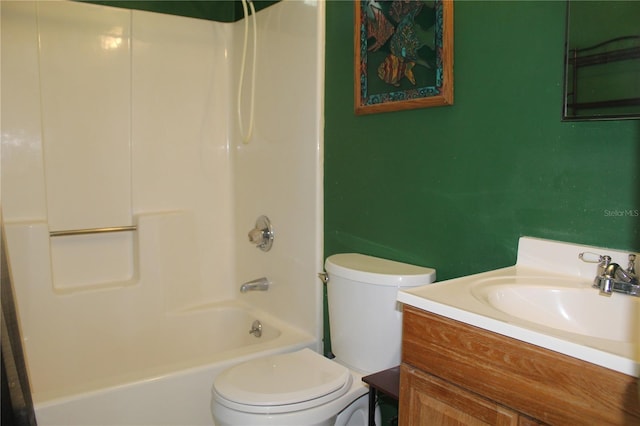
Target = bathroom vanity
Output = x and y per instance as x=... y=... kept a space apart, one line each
x=455 y=373
x=529 y=344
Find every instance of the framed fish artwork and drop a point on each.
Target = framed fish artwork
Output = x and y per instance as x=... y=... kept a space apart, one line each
x=403 y=54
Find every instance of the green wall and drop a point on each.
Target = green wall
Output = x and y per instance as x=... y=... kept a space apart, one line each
x=455 y=187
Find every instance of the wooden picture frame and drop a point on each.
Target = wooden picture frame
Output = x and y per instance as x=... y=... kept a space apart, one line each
x=403 y=54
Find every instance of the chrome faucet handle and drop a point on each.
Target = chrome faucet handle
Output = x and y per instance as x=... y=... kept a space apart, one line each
x=601 y=281
x=631 y=269
x=589 y=257
x=256 y=236
x=262 y=234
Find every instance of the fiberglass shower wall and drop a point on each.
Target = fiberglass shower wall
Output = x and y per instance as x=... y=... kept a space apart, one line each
x=113 y=117
x=279 y=172
x=105 y=123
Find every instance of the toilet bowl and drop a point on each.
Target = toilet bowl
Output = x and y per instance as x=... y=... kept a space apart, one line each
x=306 y=388
x=292 y=389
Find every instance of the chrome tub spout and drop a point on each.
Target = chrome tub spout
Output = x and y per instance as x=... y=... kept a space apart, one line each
x=260 y=284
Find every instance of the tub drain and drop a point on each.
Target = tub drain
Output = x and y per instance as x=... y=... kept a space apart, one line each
x=256 y=329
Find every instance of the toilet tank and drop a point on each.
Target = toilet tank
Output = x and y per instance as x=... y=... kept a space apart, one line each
x=365 y=319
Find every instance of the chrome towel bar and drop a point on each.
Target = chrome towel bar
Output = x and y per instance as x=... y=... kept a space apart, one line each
x=92 y=231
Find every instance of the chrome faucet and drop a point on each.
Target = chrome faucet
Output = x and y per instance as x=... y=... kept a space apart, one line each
x=611 y=277
x=260 y=284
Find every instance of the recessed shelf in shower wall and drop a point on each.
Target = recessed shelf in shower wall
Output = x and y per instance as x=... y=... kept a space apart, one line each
x=93 y=260
x=160 y=255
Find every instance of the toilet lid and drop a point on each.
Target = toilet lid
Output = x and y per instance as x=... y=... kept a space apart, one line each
x=282 y=379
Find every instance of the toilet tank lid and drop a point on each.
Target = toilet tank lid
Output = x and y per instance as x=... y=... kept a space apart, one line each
x=374 y=270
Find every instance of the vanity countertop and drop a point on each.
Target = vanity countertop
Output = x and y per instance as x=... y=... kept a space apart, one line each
x=553 y=268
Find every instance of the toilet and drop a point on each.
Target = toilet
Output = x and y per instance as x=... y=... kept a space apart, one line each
x=306 y=388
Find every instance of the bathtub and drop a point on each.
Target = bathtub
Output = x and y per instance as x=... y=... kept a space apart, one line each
x=164 y=375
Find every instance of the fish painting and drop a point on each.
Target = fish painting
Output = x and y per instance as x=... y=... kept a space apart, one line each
x=393 y=69
x=402 y=8
x=378 y=26
x=409 y=38
x=403 y=54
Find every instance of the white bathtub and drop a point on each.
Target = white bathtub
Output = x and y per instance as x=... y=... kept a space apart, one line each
x=164 y=375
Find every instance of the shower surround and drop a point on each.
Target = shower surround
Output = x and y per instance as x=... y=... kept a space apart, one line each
x=112 y=117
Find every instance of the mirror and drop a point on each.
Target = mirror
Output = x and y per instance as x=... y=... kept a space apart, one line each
x=602 y=60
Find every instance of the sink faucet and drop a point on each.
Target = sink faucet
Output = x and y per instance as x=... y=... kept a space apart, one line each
x=260 y=284
x=611 y=277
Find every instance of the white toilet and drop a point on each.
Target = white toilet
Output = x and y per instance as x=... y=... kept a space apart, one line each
x=305 y=388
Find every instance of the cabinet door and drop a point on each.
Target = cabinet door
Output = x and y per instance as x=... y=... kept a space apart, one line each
x=427 y=400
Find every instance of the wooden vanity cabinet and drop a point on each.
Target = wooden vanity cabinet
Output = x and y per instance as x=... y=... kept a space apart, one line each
x=433 y=401
x=456 y=374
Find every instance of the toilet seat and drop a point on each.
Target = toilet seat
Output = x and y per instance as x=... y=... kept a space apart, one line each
x=282 y=383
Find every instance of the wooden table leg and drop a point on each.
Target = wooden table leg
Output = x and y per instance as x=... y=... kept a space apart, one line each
x=372 y=406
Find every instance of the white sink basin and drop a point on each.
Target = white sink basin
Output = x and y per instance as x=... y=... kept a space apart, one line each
x=564 y=305
x=545 y=299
